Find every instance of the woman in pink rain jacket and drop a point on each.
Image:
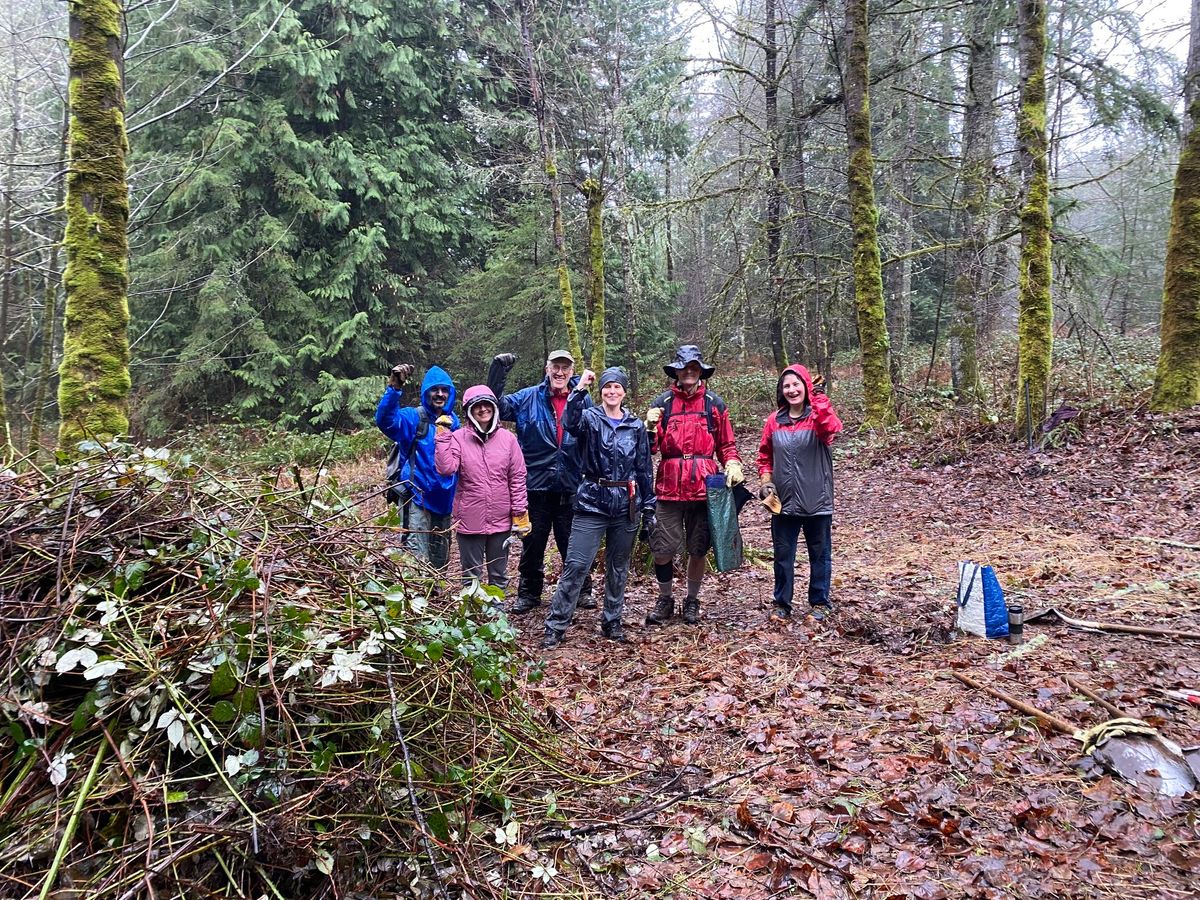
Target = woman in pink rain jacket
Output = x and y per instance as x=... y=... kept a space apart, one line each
x=490 y=502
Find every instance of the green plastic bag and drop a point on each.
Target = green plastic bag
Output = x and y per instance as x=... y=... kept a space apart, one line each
x=723 y=524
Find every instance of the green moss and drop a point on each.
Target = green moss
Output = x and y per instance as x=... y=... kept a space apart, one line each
x=1035 y=310
x=864 y=221
x=1177 y=381
x=594 y=195
x=94 y=374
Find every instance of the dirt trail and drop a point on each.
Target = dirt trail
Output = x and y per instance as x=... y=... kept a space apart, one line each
x=884 y=777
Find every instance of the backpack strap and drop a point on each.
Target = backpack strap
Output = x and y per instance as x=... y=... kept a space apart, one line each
x=713 y=404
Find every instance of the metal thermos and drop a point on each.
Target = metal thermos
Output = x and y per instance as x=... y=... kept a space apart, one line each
x=1016 y=623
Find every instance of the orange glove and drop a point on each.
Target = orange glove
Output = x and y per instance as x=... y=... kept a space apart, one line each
x=521 y=525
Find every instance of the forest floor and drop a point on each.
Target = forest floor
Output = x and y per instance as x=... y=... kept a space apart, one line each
x=843 y=759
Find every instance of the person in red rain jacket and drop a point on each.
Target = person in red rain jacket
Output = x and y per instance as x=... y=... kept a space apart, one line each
x=689 y=426
x=795 y=465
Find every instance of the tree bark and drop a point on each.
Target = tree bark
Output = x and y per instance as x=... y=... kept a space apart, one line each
x=971 y=215
x=1177 y=382
x=774 y=186
x=1035 y=317
x=93 y=392
x=594 y=195
x=546 y=146
x=868 y=280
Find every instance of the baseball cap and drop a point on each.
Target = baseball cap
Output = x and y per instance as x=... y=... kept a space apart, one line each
x=560 y=354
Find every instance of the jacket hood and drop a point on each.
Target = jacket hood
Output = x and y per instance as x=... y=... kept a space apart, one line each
x=800 y=372
x=435 y=376
x=475 y=395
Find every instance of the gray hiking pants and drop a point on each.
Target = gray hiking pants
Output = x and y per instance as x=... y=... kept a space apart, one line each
x=587 y=530
x=477 y=552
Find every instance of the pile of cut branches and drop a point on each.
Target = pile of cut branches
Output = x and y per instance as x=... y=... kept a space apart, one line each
x=221 y=687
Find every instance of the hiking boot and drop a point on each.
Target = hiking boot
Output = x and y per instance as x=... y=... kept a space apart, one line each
x=691 y=610
x=614 y=631
x=551 y=639
x=663 y=611
x=587 y=601
x=779 y=615
x=820 y=613
x=525 y=604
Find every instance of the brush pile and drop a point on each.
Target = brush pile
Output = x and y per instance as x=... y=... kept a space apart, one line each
x=218 y=686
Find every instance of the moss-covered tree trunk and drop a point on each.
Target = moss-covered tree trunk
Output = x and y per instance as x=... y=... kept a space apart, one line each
x=864 y=217
x=971 y=223
x=593 y=194
x=94 y=376
x=1035 y=315
x=1177 y=383
x=546 y=146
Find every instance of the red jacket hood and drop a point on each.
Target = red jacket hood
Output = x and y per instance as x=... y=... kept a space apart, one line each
x=800 y=372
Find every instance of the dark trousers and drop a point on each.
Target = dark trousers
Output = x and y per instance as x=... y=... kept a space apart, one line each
x=548 y=511
x=588 y=530
x=818 y=536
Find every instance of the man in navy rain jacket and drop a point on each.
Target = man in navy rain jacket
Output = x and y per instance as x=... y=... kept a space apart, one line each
x=552 y=462
x=430 y=496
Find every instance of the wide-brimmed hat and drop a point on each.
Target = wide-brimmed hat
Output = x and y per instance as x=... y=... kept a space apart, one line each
x=684 y=355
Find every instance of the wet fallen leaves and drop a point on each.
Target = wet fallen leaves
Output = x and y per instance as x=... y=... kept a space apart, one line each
x=884 y=777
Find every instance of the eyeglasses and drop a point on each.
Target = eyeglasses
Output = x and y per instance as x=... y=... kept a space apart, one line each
x=561 y=370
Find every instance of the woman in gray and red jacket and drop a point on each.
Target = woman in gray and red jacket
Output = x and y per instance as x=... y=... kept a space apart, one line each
x=795 y=465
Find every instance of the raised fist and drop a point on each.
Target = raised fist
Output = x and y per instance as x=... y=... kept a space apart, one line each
x=653 y=416
x=508 y=360
x=586 y=380
x=818 y=385
x=444 y=422
x=399 y=375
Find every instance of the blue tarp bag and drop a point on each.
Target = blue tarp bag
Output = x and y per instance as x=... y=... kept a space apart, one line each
x=981 y=606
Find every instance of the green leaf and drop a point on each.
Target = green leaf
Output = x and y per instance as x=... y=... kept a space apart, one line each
x=224 y=712
x=224 y=680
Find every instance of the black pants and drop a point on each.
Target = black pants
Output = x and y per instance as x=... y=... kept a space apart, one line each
x=548 y=511
x=818 y=536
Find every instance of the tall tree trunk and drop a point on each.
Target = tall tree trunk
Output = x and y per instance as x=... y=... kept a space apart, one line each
x=50 y=300
x=774 y=187
x=868 y=281
x=594 y=195
x=670 y=240
x=8 y=274
x=1035 y=318
x=803 y=238
x=1177 y=382
x=546 y=146
x=971 y=215
x=897 y=277
x=93 y=390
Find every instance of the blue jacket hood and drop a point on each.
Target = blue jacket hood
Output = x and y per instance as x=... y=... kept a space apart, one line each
x=435 y=376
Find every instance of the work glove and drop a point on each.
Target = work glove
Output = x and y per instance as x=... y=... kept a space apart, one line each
x=818 y=385
x=444 y=422
x=521 y=525
x=649 y=522
x=733 y=473
x=653 y=415
x=770 y=497
x=508 y=360
x=766 y=489
x=399 y=375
